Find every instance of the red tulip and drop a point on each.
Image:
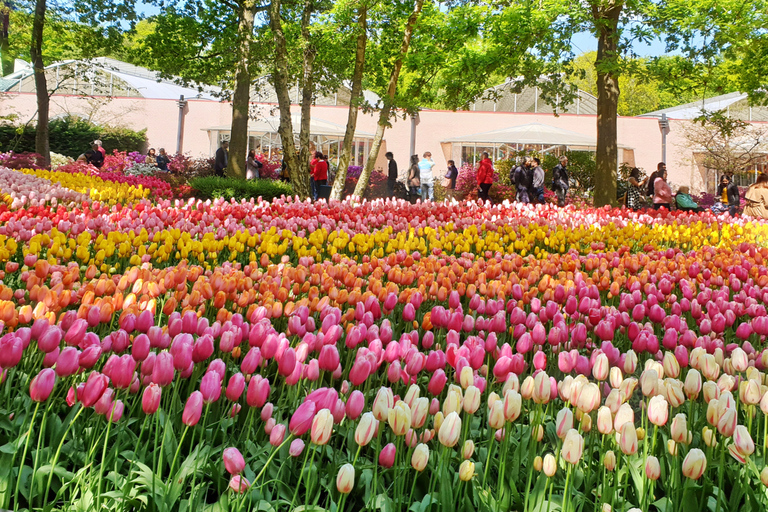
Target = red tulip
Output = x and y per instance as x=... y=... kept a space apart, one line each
x=42 y=385
x=193 y=409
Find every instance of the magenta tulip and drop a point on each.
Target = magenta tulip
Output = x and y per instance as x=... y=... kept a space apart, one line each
x=11 y=348
x=235 y=387
x=301 y=421
x=258 y=391
x=193 y=409
x=163 y=370
x=233 y=461
x=68 y=362
x=94 y=388
x=210 y=387
x=387 y=456
x=150 y=400
x=42 y=385
x=355 y=404
x=50 y=337
x=277 y=435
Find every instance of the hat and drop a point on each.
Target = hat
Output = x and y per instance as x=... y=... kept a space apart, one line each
x=97 y=142
x=683 y=190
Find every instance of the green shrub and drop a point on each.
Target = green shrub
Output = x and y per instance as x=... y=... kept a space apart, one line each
x=212 y=187
x=72 y=136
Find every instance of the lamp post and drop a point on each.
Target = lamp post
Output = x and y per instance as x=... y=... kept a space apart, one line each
x=182 y=103
x=664 y=127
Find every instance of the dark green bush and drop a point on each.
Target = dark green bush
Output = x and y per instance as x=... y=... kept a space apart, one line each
x=211 y=187
x=72 y=136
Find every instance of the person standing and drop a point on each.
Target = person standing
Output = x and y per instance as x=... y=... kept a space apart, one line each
x=414 y=179
x=425 y=175
x=523 y=181
x=222 y=159
x=163 y=160
x=633 y=192
x=662 y=193
x=757 y=198
x=485 y=177
x=252 y=166
x=319 y=173
x=450 y=178
x=538 y=181
x=729 y=195
x=391 y=173
x=97 y=157
x=560 y=180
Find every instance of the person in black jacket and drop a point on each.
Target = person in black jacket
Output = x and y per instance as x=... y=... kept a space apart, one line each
x=730 y=191
x=392 y=173
x=222 y=159
x=560 y=182
x=162 y=160
x=97 y=157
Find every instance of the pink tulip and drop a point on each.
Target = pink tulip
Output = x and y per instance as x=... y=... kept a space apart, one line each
x=258 y=391
x=50 y=337
x=301 y=421
x=437 y=382
x=122 y=374
x=251 y=361
x=42 y=385
x=193 y=409
x=203 y=348
x=210 y=387
x=239 y=484
x=277 y=435
x=235 y=387
x=94 y=388
x=76 y=332
x=105 y=404
x=68 y=362
x=287 y=362
x=150 y=400
x=387 y=456
x=296 y=448
x=140 y=347
x=233 y=461
x=355 y=404
x=11 y=349
x=266 y=411
x=163 y=370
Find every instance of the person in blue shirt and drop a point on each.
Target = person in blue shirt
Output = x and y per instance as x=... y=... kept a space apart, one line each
x=425 y=174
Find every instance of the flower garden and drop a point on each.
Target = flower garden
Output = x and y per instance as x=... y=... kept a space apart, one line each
x=162 y=354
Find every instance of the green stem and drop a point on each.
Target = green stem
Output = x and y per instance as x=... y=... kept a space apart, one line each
x=37 y=452
x=309 y=481
x=56 y=456
x=178 y=450
x=566 y=499
x=488 y=459
x=104 y=455
x=301 y=477
x=274 y=452
x=721 y=472
x=24 y=456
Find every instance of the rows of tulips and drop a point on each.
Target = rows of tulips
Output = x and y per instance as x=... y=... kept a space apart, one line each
x=340 y=357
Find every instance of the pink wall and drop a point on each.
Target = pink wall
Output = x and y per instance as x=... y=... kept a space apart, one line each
x=160 y=118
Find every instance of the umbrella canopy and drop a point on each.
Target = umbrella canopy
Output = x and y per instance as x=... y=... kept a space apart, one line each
x=533 y=133
x=316 y=127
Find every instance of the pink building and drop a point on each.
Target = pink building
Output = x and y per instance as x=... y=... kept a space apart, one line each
x=134 y=97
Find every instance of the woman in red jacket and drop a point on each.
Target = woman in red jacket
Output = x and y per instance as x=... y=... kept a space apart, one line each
x=319 y=167
x=485 y=177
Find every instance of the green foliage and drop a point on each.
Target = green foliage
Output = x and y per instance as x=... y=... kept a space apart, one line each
x=211 y=187
x=71 y=136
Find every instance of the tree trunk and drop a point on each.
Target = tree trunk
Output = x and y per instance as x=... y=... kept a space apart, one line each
x=5 y=58
x=238 y=139
x=299 y=178
x=42 y=146
x=607 y=154
x=389 y=99
x=357 y=92
x=307 y=88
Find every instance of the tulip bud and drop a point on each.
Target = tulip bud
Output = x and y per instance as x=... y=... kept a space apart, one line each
x=496 y=415
x=541 y=388
x=301 y=421
x=296 y=448
x=471 y=400
x=742 y=441
x=679 y=429
x=42 y=385
x=150 y=400
x=658 y=411
x=322 y=427
x=628 y=439
x=239 y=484
x=399 y=418
x=449 y=431
x=387 y=456
x=345 y=480
x=749 y=392
x=466 y=471
x=466 y=378
x=538 y=463
x=419 y=412
x=615 y=377
x=513 y=403
x=468 y=449
x=672 y=447
x=604 y=421
x=726 y=425
x=355 y=404
x=694 y=464
x=564 y=422
x=708 y=435
x=277 y=435
x=601 y=367
x=609 y=460
x=233 y=461
x=366 y=429
x=193 y=409
x=573 y=447
x=739 y=360
x=383 y=402
x=420 y=457
x=652 y=468
x=549 y=465
x=764 y=476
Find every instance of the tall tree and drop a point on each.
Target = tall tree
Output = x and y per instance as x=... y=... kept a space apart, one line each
x=354 y=102
x=388 y=99
x=42 y=146
x=6 y=60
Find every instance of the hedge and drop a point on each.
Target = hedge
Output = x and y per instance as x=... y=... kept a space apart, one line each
x=212 y=187
x=72 y=136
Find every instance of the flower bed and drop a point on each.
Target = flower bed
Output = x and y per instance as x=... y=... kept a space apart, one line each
x=21 y=190
x=287 y=354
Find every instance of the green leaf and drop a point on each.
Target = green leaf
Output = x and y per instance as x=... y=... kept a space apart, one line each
x=664 y=505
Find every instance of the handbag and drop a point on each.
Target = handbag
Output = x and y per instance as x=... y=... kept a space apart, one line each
x=446 y=183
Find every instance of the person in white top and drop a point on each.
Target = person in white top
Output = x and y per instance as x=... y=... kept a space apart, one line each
x=425 y=170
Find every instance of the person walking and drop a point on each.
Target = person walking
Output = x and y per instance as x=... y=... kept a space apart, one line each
x=485 y=177
x=163 y=160
x=319 y=166
x=662 y=193
x=538 y=182
x=425 y=175
x=222 y=159
x=634 y=195
x=560 y=180
x=757 y=198
x=391 y=173
x=450 y=179
x=252 y=166
x=414 y=179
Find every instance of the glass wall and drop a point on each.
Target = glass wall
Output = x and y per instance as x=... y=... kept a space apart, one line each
x=472 y=153
x=269 y=144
